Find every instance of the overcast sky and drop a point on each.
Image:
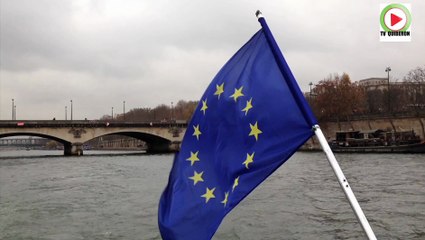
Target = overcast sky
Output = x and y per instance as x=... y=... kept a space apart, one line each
x=100 y=53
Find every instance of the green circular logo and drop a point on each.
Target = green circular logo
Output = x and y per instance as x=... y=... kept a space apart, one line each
x=395 y=7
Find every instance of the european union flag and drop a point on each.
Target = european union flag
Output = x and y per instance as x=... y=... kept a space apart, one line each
x=250 y=120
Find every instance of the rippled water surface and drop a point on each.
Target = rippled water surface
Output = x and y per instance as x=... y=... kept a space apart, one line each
x=44 y=195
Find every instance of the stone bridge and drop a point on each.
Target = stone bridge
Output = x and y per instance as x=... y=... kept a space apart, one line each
x=159 y=137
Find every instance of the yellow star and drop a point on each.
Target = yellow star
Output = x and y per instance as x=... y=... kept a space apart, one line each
x=226 y=196
x=220 y=90
x=193 y=158
x=254 y=130
x=235 y=183
x=209 y=194
x=197 y=177
x=238 y=93
x=204 y=106
x=248 y=106
x=196 y=131
x=249 y=159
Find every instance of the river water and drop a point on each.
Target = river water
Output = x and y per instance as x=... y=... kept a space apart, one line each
x=44 y=195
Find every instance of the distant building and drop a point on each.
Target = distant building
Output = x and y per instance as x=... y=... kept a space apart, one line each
x=371 y=84
x=411 y=95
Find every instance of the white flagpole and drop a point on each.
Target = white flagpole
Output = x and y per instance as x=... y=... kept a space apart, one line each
x=344 y=183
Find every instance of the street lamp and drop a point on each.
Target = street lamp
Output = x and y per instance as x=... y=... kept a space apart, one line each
x=71 y=110
x=171 y=118
x=123 y=109
x=388 y=69
x=66 y=112
x=112 y=113
x=310 y=84
x=13 y=109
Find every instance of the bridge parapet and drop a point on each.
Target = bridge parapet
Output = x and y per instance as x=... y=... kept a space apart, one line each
x=84 y=123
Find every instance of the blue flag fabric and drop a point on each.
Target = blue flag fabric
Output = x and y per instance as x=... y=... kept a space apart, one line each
x=247 y=124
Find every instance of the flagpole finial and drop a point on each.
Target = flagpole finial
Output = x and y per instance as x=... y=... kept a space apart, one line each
x=259 y=14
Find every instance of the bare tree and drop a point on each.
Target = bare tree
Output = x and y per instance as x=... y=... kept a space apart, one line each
x=415 y=87
x=336 y=97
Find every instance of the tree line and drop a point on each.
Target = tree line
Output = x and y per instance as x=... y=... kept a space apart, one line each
x=181 y=111
x=338 y=98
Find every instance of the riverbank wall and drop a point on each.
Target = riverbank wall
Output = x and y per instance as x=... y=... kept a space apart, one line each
x=330 y=128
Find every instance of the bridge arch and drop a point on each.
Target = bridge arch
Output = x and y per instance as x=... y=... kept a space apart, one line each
x=154 y=142
x=69 y=147
x=34 y=134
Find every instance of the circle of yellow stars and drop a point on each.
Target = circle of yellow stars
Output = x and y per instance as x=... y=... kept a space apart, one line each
x=197 y=133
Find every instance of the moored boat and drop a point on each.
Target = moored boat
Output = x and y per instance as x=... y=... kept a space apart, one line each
x=377 y=141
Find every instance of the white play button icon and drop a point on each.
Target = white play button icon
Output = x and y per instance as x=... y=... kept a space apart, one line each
x=395 y=19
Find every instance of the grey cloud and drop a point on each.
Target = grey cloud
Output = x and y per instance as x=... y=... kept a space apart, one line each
x=100 y=53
